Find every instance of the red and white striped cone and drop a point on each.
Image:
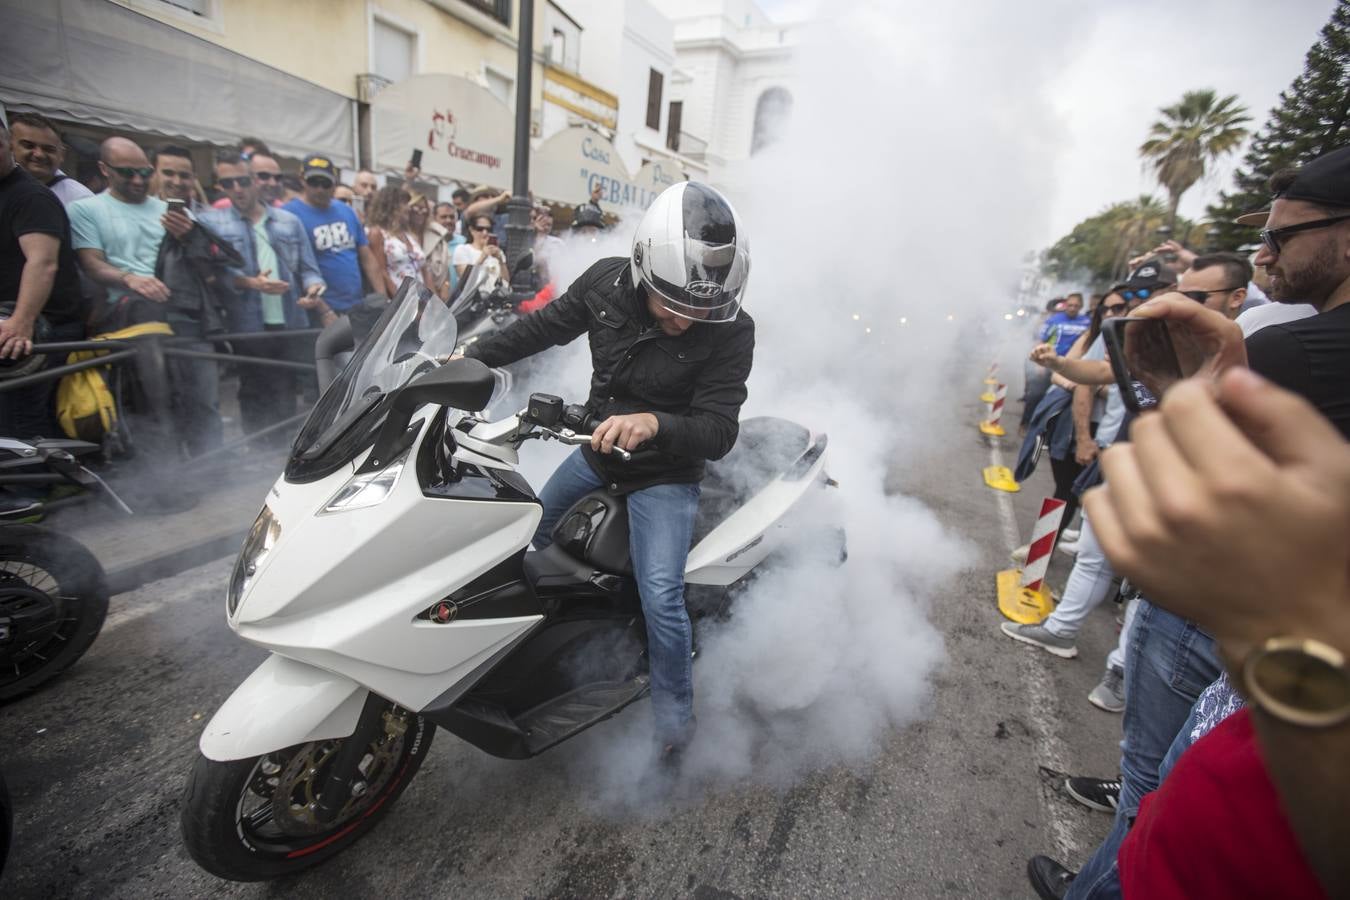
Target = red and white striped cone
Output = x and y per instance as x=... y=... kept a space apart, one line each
x=1022 y=595
x=991 y=377
x=991 y=424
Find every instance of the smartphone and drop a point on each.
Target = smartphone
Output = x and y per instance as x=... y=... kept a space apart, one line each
x=1145 y=360
x=176 y=205
x=492 y=240
x=416 y=161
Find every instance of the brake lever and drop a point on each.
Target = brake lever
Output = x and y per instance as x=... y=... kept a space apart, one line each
x=568 y=436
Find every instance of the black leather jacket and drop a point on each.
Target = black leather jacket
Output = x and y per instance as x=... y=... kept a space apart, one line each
x=694 y=384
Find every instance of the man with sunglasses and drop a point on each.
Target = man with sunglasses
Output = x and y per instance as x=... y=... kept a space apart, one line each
x=117 y=234
x=1306 y=252
x=336 y=235
x=1219 y=281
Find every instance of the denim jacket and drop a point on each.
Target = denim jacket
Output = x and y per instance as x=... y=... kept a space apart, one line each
x=295 y=259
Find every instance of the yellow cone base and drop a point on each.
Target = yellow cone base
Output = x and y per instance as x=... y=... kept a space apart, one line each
x=992 y=429
x=991 y=381
x=1022 y=605
x=1000 y=478
x=987 y=397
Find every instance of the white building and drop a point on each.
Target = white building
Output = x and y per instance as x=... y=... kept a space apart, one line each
x=734 y=80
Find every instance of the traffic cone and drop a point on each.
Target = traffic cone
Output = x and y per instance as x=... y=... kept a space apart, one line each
x=1022 y=595
x=996 y=400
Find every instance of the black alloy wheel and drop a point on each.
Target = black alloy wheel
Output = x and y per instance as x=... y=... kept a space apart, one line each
x=254 y=819
x=53 y=599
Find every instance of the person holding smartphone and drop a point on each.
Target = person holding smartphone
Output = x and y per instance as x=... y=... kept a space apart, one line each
x=482 y=248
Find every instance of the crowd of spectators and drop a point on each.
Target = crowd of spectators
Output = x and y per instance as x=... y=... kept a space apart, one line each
x=244 y=249
x=1224 y=511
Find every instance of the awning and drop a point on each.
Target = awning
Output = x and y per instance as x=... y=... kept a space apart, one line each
x=462 y=129
x=98 y=62
x=658 y=174
x=568 y=165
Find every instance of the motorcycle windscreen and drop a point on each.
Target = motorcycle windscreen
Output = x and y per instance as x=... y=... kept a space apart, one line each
x=413 y=335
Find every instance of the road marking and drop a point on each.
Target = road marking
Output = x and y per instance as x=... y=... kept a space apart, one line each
x=1037 y=675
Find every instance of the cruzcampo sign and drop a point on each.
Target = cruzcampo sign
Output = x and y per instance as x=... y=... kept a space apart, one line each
x=462 y=129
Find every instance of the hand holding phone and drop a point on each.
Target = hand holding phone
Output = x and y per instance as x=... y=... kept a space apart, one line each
x=1150 y=355
x=176 y=205
x=492 y=240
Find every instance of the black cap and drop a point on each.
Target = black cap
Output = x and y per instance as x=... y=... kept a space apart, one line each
x=588 y=215
x=319 y=167
x=1151 y=273
x=1325 y=180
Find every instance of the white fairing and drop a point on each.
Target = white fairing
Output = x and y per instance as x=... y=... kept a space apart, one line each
x=751 y=533
x=283 y=703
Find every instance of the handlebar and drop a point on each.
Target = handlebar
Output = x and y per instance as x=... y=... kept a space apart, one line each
x=572 y=439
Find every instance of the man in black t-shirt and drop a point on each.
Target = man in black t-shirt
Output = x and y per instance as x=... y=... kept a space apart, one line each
x=38 y=276
x=1306 y=251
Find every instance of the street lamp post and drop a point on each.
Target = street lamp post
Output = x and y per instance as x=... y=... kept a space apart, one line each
x=519 y=233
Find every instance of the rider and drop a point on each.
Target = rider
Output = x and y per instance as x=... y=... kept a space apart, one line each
x=670 y=352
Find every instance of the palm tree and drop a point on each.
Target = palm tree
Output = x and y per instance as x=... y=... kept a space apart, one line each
x=1190 y=135
x=1136 y=223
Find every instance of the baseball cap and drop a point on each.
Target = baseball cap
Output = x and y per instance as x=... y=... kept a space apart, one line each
x=1325 y=180
x=320 y=166
x=1255 y=219
x=1149 y=274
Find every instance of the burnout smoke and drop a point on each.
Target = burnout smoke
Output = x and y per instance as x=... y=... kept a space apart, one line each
x=887 y=227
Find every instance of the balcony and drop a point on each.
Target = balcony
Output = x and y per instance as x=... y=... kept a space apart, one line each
x=686 y=144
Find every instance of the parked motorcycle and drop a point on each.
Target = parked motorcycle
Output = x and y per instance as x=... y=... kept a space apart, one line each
x=389 y=574
x=53 y=592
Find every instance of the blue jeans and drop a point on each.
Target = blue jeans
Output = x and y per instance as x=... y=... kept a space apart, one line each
x=1169 y=663
x=660 y=529
x=1036 y=381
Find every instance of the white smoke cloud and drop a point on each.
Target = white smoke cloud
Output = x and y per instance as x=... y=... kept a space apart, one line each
x=887 y=228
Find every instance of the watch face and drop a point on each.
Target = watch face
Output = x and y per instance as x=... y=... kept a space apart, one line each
x=1300 y=686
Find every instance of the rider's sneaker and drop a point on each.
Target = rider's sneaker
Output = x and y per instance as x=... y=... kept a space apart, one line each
x=1070 y=535
x=1064 y=648
x=1094 y=793
x=1069 y=547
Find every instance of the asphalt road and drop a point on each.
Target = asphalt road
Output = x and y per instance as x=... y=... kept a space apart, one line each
x=952 y=805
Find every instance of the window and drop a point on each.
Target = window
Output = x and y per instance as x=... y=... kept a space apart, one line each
x=654 y=85
x=393 y=51
x=502 y=86
x=196 y=7
x=498 y=9
x=772 y=112
x=673 y=125
x=557 y=49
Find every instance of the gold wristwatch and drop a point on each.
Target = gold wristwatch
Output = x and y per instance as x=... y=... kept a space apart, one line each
x=1300 y=681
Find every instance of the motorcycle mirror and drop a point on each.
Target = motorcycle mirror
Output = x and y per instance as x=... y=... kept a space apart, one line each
x=524 y=262
x=462 y=383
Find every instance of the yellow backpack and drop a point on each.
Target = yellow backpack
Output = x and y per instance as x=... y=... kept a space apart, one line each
x=85 y=407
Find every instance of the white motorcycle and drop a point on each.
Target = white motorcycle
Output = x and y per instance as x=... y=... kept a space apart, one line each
x=389 y=574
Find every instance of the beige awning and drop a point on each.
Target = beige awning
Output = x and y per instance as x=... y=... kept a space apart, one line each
x=464 y=132
x=569 y=164
x=98 y=62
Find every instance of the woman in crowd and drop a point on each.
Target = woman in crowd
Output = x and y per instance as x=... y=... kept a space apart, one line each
x=396 y=248
x=435 y=242
x=479 y=248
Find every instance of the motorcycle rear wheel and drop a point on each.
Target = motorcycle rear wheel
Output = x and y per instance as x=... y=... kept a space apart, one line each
x=55 y=596
x=252 y=819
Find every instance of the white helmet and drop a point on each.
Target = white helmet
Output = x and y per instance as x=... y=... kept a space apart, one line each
x=691 y=253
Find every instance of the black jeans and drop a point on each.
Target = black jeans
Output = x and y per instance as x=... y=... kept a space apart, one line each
x=29 y=412
x=1066 y=472
x=267 y=393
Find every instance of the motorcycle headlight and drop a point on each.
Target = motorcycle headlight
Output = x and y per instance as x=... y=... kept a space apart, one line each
x=262 y=537
x=366 y=490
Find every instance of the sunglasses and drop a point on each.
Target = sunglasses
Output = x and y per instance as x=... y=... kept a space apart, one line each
x=480 y=227
x=1115 y=309
x=315 y=181
x=266 y=176
x=1141 y=294
x=1202 y=296
x=133 y=171
x=1271 y=236
x=242 y=181
x=346 y=200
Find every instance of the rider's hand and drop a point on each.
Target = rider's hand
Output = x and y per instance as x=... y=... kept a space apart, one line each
x=626 y=432
x=16 y=338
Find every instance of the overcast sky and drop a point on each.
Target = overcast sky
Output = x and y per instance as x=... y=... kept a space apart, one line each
x=1136 y=57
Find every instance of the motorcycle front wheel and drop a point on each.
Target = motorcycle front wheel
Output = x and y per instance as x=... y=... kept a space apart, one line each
x=253 y=819
x=53 y=599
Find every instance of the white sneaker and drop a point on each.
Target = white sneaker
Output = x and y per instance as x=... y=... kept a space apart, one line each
x=1071 y=535
x=1069 y=547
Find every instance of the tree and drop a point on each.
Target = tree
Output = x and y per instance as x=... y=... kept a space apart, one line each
x=1098 y=249
x=1312 y=118
x=1191 y=134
